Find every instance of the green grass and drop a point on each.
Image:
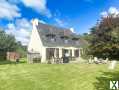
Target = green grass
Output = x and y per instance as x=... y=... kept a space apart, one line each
x=25 y=76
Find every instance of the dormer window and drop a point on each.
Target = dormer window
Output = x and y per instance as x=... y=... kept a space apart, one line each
x=64 y=37
x=76 y=40
x=66 y=41
x=51 y=37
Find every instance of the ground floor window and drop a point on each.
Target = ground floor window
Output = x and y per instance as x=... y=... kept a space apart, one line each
x=71 y=53
x=57 y=52
x=50 y=53
x=64 y=51
x=76 y=53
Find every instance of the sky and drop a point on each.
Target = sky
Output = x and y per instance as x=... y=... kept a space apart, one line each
x=78 y=15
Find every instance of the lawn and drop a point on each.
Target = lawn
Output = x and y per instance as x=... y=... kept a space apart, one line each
x=25 y=76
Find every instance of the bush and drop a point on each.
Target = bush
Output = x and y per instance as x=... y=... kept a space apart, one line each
x=2 y=55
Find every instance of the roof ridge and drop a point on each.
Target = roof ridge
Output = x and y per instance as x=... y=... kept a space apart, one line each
x=53 y=26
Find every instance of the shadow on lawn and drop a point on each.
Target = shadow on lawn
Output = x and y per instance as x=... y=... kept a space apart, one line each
x=103 y=82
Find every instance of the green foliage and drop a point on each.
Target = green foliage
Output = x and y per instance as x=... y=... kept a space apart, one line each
x=87 y=37
x=85 y=56
x=9 y=43
x=21 y=49
x=105 y=41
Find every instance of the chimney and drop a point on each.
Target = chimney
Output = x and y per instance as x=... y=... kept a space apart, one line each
x=35 y=23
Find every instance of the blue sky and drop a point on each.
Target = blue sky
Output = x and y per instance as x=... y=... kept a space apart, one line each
x=81 y=15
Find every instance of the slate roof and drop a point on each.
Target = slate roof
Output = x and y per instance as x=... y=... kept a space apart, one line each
x=52 y=36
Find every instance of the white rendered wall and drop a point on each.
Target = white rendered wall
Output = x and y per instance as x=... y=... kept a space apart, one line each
x=35 y=44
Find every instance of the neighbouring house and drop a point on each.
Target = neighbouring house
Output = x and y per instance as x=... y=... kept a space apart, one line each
x=50 y=42
x=13 y=56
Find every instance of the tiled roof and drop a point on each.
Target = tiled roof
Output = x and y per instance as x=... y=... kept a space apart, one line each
x=52 y=36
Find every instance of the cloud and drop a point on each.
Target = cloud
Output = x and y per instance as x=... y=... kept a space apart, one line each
x=8 y=10
x=38 y=5
x=104 y=14
x=21 y=30
x=59 y=22
x=72 y=29
x=112 y=10
x=41 y=21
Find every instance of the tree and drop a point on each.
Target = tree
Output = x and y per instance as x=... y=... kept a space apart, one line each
x=105 y=41
x=9 y=43
x=21 y=49
x=87 y=37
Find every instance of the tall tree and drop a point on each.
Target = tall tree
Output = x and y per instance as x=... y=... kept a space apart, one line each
x=7 y=42
x=22 y=50
x=105 y=41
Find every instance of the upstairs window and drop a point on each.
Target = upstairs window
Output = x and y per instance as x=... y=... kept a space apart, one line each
x=76 y=53
x=76 y=40
x=65 y=39
x=51 y=37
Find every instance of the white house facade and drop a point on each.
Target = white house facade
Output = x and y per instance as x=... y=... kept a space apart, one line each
x=53 y=42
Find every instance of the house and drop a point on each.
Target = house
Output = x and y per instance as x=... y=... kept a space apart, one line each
x=50 y=42
x=13 y=56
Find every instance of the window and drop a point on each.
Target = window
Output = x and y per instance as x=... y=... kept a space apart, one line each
x=76 y=52
x=50 y=52
x=57 y=53
x=66 y=41
x=77 y=42
x=52 y=39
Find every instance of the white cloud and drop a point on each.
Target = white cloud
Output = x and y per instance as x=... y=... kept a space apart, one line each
x=112 y=10
x=60 y=22
x=38 y=5
x=21 y=30
x=8 y=10
x=104 y=14
x=72 y=29
x=41 y=21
